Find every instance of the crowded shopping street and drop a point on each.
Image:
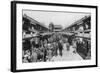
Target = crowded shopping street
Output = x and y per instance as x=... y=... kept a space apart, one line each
x=55 y=43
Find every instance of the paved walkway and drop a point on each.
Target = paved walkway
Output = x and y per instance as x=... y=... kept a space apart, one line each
x=67 y=55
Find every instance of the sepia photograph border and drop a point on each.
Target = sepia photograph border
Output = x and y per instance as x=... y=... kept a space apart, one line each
x=14 y=36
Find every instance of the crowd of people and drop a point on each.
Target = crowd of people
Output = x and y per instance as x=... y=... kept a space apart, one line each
x=45 y=48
